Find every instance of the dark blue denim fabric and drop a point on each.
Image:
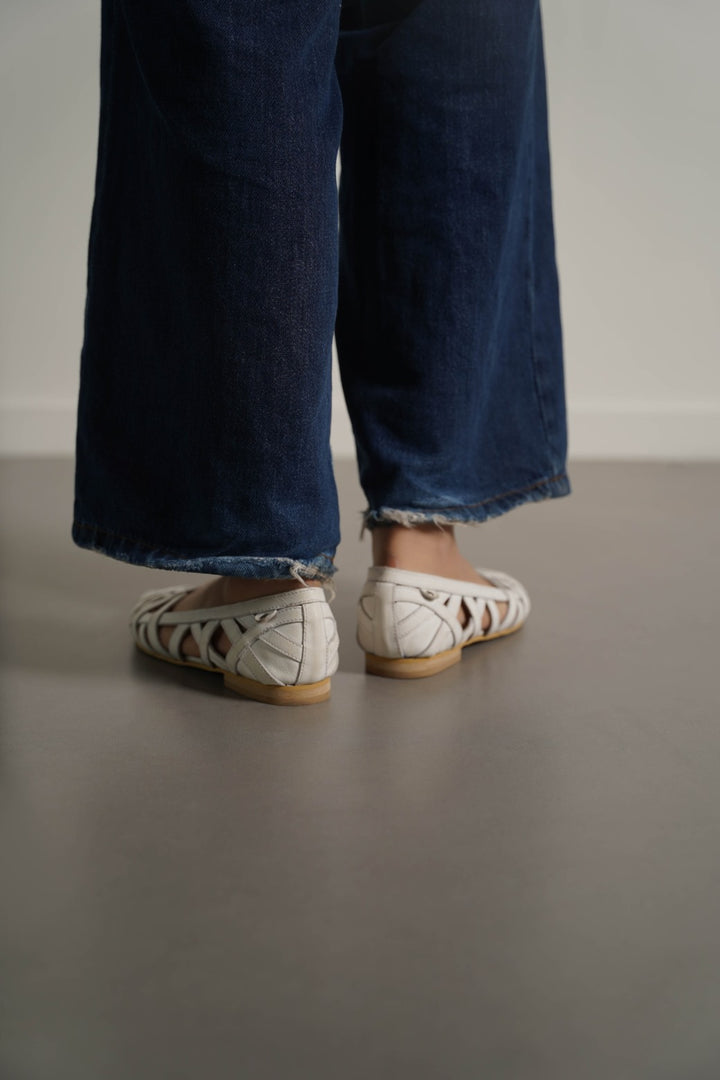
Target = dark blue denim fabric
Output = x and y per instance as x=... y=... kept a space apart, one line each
x=217 y=275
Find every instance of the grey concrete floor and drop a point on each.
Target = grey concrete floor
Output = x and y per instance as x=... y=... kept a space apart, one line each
x=510 y=870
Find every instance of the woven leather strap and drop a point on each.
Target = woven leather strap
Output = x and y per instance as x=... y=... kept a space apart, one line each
x=281 y=630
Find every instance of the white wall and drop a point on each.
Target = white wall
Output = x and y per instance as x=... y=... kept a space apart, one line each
x=634 y=90
x=634 y=98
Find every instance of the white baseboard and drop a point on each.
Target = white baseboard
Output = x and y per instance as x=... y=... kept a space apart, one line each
x=599 y=430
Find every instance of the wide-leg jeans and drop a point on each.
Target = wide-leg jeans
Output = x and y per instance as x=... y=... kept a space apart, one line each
x=223 y=257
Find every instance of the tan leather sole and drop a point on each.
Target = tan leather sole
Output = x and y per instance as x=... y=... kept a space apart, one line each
x=271 y=694
x=418 y=667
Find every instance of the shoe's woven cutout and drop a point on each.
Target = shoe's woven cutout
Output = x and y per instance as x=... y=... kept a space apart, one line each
x=243 y=631
x=284 y=646
x=399 y=618
x=449 y=606
x=465 y=610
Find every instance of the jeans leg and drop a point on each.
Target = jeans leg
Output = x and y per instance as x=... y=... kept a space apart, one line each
x=203 y=426
x=448 y=327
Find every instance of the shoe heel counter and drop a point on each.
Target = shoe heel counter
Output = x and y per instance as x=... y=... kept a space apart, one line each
x=376 y=623
x=300 y=646
x=395 y=623
x=320 y=643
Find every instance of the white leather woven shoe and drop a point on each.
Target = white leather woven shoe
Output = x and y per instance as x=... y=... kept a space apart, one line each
x=284 y=646
x=407 y=622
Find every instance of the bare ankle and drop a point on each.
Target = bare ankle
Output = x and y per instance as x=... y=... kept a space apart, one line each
x=233 y=589
x=394 y=544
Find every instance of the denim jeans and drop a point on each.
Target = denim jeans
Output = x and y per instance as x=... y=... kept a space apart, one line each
x=223 y=257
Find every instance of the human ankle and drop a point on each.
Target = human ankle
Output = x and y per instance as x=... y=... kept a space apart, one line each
x=396 y=545
x=234 y=589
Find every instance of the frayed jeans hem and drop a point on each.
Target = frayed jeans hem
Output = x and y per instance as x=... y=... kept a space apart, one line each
x=552 y=487
x=140 y=553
